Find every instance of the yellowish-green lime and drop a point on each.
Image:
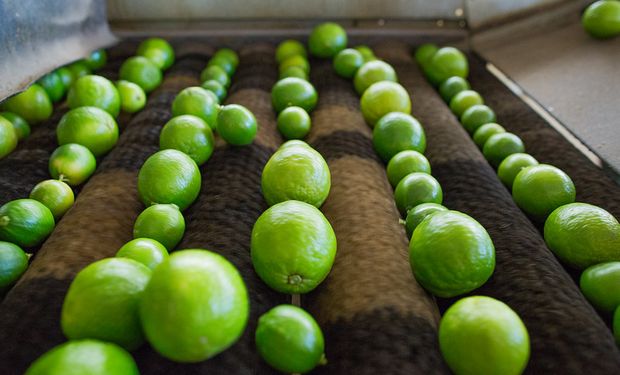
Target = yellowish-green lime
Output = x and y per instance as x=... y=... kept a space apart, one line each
x=95 y=91
x=55 y=195
x=382 y=98
x=396 y=132
x=144 y=250
x=162 y=222
x=33 y=104
x=72 y=163
x=189 y=134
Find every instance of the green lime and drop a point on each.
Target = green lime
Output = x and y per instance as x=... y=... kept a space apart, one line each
x=417 y=188
x=195 y=306
x=583 y=235
x=480 y=335
x=419 y=213
x=425 y=52
x=396 y=132
x=22 y=129
x=78 y=69
x=327 y=39
x=65 y=76
x=373 y=72
x=94 y=91
x=8 y=137
x=189 y=134
x=382 y=98
x=463 y=100
x=405 y=162
x=217 y=88
x=602 y=19
x=91 y=127
x=215 y=73
x=447 y=62
x=366 y=52
x=144 y=250
x=53 y=86
x=72 y=163
x=290 y=340
x=227 y=54
x=293 y=71
x=55 y=195
x=293 y=91
x=540 y=189
x=510 y=167
x=601 y=285
x=25 y=222
x=33 y=104
x=198 y=102
x=289 y=48
x=169 y=176
x=483 y=133
x=13 y=263
x=347 y=62
x=84 y=357
x=158 y=51
x=103 y=301
x=296 y=60
x=476 y=116
x=293 y=247
x=294 y=123
x=132 y=97
x=451 y=254
x=452 y=86
x=141 y=71
x=296 y=172
x=97 y=59
x=224 y=63
x=163 y=223
x=501 y=145
x=236 y=125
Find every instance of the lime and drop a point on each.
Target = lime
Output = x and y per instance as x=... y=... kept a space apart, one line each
x=25 y=222
x=510 y=167
x=8 y=137
x=419 y=213
x=476 y=116
x=19 y=124
x=451 y=254
x=215 y=73
x=293 y=71
x=602 y=19
x=294 y=123
x=425 y=52
x=327 y=39
x=56 y=195
x=483 y=336
x=78 y=69
x=215 y=87
x=189 y=134
x=84 y=357
x=583 y=235
x=293 y=247
x=141 y=71
x=198 y=102
x=501 y=145
x=33 y=104
x=452 y=86
x=94 y=91
x=406 y=162
x=236 y=125
x=289 y=48
x=601 y=285
x=132 y=97
x=296 y=60
x=447 y=62
x=97 y=59
x=366 y=52
x=417 y=188
x=13 y=263
x=72 y=163
x=224 y=63
x=144 y=250
x=53 y=86
x=290 y=340
x=158 y=51
x=485 y=132
x=296 y=172
x=91 y=127
x=227 y=54
x=293 y=91
x=195 y=306
x=373 y=72
x=163 y=223
x=396 y=132
x=65 y=76
x=463 y=100
x=382 y=98
x=347 y=62
x=169 y=176
x=540 y=189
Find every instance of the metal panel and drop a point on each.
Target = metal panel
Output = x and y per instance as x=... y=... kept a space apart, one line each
x=484 y=12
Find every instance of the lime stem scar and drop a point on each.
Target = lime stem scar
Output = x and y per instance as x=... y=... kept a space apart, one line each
x=323 y=360
x=295 y=279
x=4 y=221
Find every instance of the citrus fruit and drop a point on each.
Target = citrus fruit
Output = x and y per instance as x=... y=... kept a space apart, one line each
x=224 y=63
x=347 y=62
x=90 y=127
x=288 y=48
x=294 y=123
x=97 y=59
x=8 y=137
x=85 y=357
x=366 y=52
x=463 y=100
x=540 y=189
x=289 y=339
x=480 y=335
x=447 y=62
x=451 y=254
x=293 y=71
x=215 y=87
x=53 y=86
x=293 y=91
x=602 y=19
x=22 y=129
x=501 y=145
x=144 y=250
x=72 y=163
x=476 y=116
x=33 y=104
x=510 y=167
x=296 y=60
x=65 y=76
x=169 y=176
x=601 y=285
x=236 y=125
x=405 y=162
x=483 y=133
x=293 y=247
x=227 y=54
x=296 y=172
x=373 y=72
x=189 y=134
x=424 y=53
x=583 y=235
x=158 y=51
x=163 y=223
x=452 y=86
x=94 y=91
x=417 y=188
x=103 y=300
x=25 y=222
x=132 y=97
x=13 y=263
x=327 y=39
x=78 y=69
x=215 y=73
x=141 y=71
x=382 y=98
x=396 y=132
x=198 y=102
x=56 y=195
x=195 y=306
x=419 y=213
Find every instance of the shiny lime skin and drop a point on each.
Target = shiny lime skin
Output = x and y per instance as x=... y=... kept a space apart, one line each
x=510 y=167
x=366 y=52
x=8 y=137
x=396 y=132
x=463 y=100
x=72 y=163
x=90 y=127
x=162 y=222
x=602 y=19
x=215 y=87
x=382 y=98
x=451 y=254
x=288 y=48
x=227 y=54
x=452 y=86
x=289 y=339
x=55 y=195
x=601 y=285
x=293 y=247
x=373 y=72
x=327 y=39
x=483 y=336
x=158 y=51
x=25 y=222
x=53 y=85
x=420 y=212
x=293 y=71
x=501 y=145
x=236 y=125
x=189 y=134
x=65 y=76
x=406 y=162
x=215 y=73
x=141 y=71
x=476 y=116
x=447 y=62
x=294 y=123
x=13 y=263
x=485 y=132
x=296 y=60
x=198 y=102
x=22 y=129
x=132 y=97
x=33 y=104
x=417 y=188
x=97 y=59
x=424 y=53
x=540 y=189
x=293 y=91
x=224 y=63
x=144 y=250
x=195 y=306
x=95 y=91
x=347 y=62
